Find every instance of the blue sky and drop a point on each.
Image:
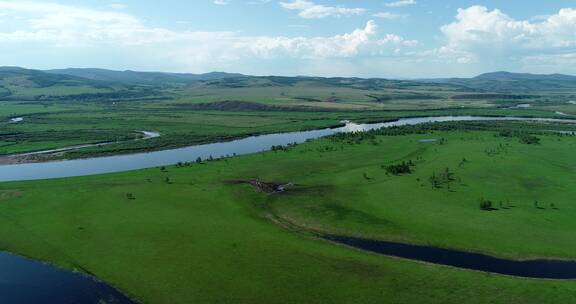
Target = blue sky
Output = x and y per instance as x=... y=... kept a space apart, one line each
x=395 y=39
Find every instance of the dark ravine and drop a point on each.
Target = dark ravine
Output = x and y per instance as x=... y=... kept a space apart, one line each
x=538 y=269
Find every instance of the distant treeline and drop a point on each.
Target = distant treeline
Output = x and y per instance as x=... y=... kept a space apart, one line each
x=237 y=105
x=108 y=96
x=525 y=132
x=413 y=96
x=87 y=97
x=89 y=135
x=493 y=96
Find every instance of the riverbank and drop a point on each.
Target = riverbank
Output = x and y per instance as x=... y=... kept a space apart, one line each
x=253 y=144
x=164 y=237
x=188 y=128
x=32 y=281
x=54 y=154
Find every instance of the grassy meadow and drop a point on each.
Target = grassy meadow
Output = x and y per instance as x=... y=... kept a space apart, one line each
x=202 y=234
x=70 y=107
x=58 y=124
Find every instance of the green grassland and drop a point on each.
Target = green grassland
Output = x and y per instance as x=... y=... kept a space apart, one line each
x=201 y=234
x=187 y=111
x=181 y=123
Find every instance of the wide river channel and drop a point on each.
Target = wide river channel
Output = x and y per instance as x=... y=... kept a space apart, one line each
x=27 y=281
x=253 y=144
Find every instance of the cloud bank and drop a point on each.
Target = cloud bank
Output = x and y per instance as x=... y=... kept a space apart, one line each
x=477 y=39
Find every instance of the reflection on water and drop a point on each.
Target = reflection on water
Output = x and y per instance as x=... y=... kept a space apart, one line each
x=352 y=127
x=25 y=281
x=544 y=269
x=253 y=144
x=16 y=119
x=521 y=106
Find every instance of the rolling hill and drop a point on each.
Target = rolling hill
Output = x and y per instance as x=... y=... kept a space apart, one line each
x=141 y=78
x=506 y=82
x=107 y=85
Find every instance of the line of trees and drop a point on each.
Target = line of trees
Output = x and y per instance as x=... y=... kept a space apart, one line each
x=524 y=137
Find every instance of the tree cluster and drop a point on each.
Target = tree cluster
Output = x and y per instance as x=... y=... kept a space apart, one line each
x=402 y=168
x=442 y=179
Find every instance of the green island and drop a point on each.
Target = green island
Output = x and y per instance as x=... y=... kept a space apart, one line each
x=244 y=229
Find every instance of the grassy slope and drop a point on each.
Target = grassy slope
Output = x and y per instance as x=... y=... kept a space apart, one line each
x=408 y=208
x=203 y=239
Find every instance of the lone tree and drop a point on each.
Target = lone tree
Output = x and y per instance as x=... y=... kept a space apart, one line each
x=130 y=196
x=486 y=205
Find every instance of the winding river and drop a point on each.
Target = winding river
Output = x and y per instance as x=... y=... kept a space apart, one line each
x=253 y=144
x=27 y=281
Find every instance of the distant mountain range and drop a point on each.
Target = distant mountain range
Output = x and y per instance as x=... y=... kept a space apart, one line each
x=155 y=77
x=133 y=77
x=100 y=84
x=507 y=82
x=507 y=76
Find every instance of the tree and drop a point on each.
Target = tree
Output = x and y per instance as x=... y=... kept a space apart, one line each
x=486 y=205
x=402 y=168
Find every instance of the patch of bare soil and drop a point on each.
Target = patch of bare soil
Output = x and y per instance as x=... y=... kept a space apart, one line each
x=266 y=187
x=24 y=159
x=8 y=194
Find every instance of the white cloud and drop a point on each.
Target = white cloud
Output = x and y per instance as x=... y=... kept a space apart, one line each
x=388 y=15
x=400 y=3
x=311 y=10
x=67 y=25
x=360 y=41
x=476 y=27
x=258 y=2
x=117 y=6
x=70 y=27
x=221 y=2
x=550 y=63
x=479 y=34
